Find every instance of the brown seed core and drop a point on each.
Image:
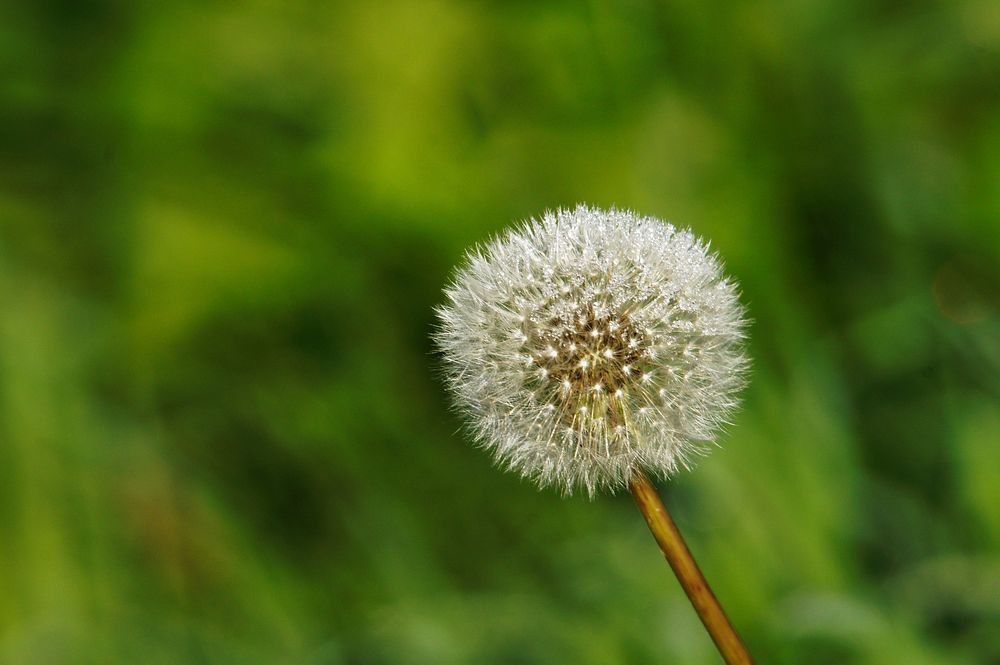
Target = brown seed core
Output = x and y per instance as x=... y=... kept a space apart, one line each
x=590 y=363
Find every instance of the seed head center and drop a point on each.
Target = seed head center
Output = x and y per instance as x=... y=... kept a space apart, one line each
x=589 y=361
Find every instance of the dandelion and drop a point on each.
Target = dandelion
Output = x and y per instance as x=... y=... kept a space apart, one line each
x=591 y=344
x=591 y=348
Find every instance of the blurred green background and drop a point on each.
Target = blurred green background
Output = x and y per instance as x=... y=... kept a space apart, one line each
x=223 y=227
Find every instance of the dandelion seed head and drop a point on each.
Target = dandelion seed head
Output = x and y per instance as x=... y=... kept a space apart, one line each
x=634 y=340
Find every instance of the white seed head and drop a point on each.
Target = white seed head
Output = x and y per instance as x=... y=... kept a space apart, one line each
x=636 y=330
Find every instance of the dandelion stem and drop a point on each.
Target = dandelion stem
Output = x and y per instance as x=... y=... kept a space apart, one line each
x=693 y=582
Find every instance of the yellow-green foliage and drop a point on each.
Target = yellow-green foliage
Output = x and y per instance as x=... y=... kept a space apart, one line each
x=224 y=226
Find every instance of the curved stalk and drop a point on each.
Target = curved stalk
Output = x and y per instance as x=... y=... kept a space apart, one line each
x=733 y=651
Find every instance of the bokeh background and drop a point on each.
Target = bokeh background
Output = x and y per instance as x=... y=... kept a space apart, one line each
x=223 y=227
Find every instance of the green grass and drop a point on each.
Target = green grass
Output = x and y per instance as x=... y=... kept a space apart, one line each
x=223 y=228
